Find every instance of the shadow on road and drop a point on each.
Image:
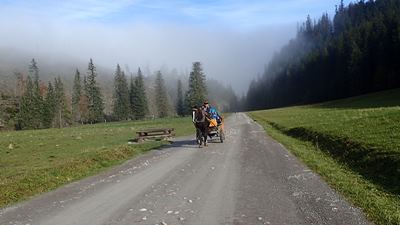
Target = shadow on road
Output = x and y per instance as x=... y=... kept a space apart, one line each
x=181 y=144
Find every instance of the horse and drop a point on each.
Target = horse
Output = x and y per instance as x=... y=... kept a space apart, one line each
x=201 y=124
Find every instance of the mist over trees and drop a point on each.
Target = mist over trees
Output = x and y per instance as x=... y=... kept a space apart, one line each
x=354 y=53
x=82 y=99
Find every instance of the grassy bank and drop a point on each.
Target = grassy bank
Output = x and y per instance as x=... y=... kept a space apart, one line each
x=353 y=143
x=33 y=162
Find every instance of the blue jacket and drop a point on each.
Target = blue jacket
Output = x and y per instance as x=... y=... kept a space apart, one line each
x=213 y=113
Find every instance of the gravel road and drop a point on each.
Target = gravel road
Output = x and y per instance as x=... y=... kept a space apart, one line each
x=249 y=179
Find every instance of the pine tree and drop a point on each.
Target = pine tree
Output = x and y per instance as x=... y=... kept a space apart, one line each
x=132 y=97
x=25 y=116
x=84 y=102
x=140 y=107
x=50 y=106
x=37 y=99
x=76 y=97
x=62 y=115
x=93 y=95
x=34 y=72
x=121 y=95
x=161 y=96
x=180 y=107
x=197 y=86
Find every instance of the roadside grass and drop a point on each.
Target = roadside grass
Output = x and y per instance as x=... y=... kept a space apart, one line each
x=354 y=144
x=36 y=161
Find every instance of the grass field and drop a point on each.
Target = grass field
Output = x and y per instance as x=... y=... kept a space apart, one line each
x=33 y=162
x=353 y=143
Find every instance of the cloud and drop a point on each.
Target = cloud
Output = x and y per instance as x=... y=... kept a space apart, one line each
x=230 y=56
x=233 y=39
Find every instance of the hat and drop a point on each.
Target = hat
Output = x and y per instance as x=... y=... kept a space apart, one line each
x=205 y=102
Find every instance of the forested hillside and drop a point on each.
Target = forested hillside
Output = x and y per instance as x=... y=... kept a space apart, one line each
x=34 y=98
x=353 y=53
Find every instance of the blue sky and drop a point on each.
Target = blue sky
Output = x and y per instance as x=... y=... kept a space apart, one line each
x=234 y=39
x=230 y=13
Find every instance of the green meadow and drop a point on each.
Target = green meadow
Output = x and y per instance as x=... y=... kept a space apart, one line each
x=354 y=144
x=36 y=161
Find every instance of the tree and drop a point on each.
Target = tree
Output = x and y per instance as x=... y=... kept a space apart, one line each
x=138 y=97
x=132 y=97
x=121 y=95
x=34 y=72
x=25 y=116
x=93 y=95
x=84 y=103
x=76 y=97
x=50 y=106
x=37 y=99
x=180 y=103
x=161 y=96
x=353 y=54
x=197 y=86
x=62 y=115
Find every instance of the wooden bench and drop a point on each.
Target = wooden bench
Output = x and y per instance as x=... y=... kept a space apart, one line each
x=155 y=134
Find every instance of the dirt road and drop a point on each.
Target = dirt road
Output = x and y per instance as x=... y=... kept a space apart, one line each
x=249 y=179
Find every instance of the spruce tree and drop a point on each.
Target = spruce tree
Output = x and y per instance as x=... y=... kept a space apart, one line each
x=34 y=72
x=76 y=97
x=62 y=115
x=180 y=105
x=84 y=103
x=93 y=94
x=197 y=86
x=121 y=95
x=50 y=106
x=37 y=99
x=161 y=96
x=132 y=98
x=26 y=107
x=140 y=101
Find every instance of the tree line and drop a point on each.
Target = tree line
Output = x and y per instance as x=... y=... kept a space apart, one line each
x=354 y=53
x=39 y=105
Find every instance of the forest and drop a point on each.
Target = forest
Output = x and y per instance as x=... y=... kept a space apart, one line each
x=86 y=99
x=355 y=52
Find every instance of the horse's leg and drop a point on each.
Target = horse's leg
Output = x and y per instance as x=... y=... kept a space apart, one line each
x=205 y=135
x=199 y=137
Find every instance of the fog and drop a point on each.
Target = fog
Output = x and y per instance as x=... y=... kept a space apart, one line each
x=232 y=55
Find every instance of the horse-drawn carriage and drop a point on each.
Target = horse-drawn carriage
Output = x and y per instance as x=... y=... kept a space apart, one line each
x=216 y=129
x=208 y=124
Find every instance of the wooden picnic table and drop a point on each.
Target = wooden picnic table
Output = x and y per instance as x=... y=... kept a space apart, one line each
x=154 y=134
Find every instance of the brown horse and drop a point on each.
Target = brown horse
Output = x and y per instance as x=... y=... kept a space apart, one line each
x=201 y=124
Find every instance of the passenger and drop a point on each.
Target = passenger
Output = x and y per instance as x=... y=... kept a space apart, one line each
x=212 y=112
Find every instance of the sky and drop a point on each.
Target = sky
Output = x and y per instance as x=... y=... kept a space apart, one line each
x=234 y=39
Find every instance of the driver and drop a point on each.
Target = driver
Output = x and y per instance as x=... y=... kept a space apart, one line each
x=212 y=112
